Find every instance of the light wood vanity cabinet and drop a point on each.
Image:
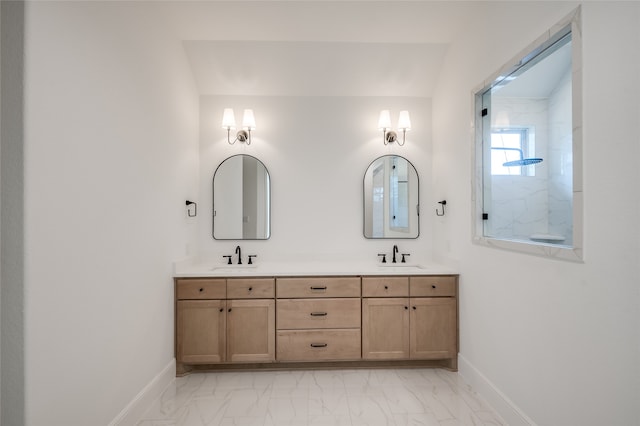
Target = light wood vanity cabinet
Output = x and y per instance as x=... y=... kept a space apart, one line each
x=286 y=321
x=201 y=331
x=412 y=317
x=224 y=320
x=318 y=319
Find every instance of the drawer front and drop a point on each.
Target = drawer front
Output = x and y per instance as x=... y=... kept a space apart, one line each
x=251 y=288
x=318 y=287
x=385 y=287
x=201 y=288
x=318 y=345
x=433 y=286
x=294 y=314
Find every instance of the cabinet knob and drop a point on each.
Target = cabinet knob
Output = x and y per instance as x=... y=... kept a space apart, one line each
x=230 y=310
x=433 y=286
x=201 y=290
x=250 y=288
x=386 y=287
x=414 y=308
x=406 y=307
x=221 y=310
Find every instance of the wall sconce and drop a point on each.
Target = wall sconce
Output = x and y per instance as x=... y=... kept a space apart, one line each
x=384 y=124
x=248 y=124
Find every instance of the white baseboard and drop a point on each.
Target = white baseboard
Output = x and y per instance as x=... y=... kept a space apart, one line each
x=510 y=412
x=134 y=411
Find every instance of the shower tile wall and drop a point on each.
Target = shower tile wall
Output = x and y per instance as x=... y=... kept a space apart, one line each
x=526 y=205
x=520 y=204
x=561 y=161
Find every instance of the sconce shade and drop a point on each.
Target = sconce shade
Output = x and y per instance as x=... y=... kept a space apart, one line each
x=384 y=124
x=228 y=119
x=248 y=124
x=404 y=122
x=385 y=120
x=248 y=120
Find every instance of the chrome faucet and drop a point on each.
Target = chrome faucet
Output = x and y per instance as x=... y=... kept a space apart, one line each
x=395 y=250
x=239 y=253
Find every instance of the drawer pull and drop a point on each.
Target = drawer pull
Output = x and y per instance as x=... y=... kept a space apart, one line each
x=318 y=288
x=433 y=286
x=201 y=290
x=386 y=287
x=318 y=314
x=250 y=288
x=319 y=345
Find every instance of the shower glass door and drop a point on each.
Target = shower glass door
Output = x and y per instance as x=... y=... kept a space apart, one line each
x=527 y=151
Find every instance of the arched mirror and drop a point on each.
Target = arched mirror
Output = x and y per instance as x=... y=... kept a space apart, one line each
x=391 y=203
x=241 y=199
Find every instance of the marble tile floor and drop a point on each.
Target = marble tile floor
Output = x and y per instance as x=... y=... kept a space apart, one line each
x=321 y=397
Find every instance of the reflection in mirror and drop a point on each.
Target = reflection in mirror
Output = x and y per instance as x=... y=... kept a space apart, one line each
x=391 y=201
x=241 y=199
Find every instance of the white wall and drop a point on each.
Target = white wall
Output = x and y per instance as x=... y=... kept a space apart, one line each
x=316 y=150
x=110 y=158
x=551 y=342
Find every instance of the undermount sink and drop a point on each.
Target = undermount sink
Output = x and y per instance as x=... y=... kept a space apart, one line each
x=399 y=267
x=234 y=268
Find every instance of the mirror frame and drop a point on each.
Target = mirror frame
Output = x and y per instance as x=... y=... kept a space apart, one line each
x=213 y=204
x=364 y=201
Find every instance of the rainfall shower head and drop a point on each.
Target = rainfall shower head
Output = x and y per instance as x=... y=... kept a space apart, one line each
x=522 y=162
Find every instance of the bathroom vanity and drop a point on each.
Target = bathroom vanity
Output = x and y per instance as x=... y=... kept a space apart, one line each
x=257 y=318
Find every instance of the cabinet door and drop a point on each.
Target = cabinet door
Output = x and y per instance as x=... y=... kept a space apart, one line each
x=385 y=328
x=251 y=330
x=200 y=336
x=433 y=328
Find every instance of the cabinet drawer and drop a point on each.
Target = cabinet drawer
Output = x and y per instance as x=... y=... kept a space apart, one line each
x=250 y=288
x=385 y=286
x=432 y=286
x=318 y=345
x=318 y=287
x=201 y=288
x=293 y=314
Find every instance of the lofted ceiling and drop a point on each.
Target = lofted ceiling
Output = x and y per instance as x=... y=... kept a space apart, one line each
x=263 y=68
x=317 y=48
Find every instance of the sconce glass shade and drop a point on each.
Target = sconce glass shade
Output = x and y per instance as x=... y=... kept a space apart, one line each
x=404 y=122
x=384 y=122
x=248 y=120
x=228 y=119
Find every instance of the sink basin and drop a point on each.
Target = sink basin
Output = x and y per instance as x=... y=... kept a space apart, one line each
x=401 y=267
x=234 y=268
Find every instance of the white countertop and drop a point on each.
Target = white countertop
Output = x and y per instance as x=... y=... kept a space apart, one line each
x=283 y=269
